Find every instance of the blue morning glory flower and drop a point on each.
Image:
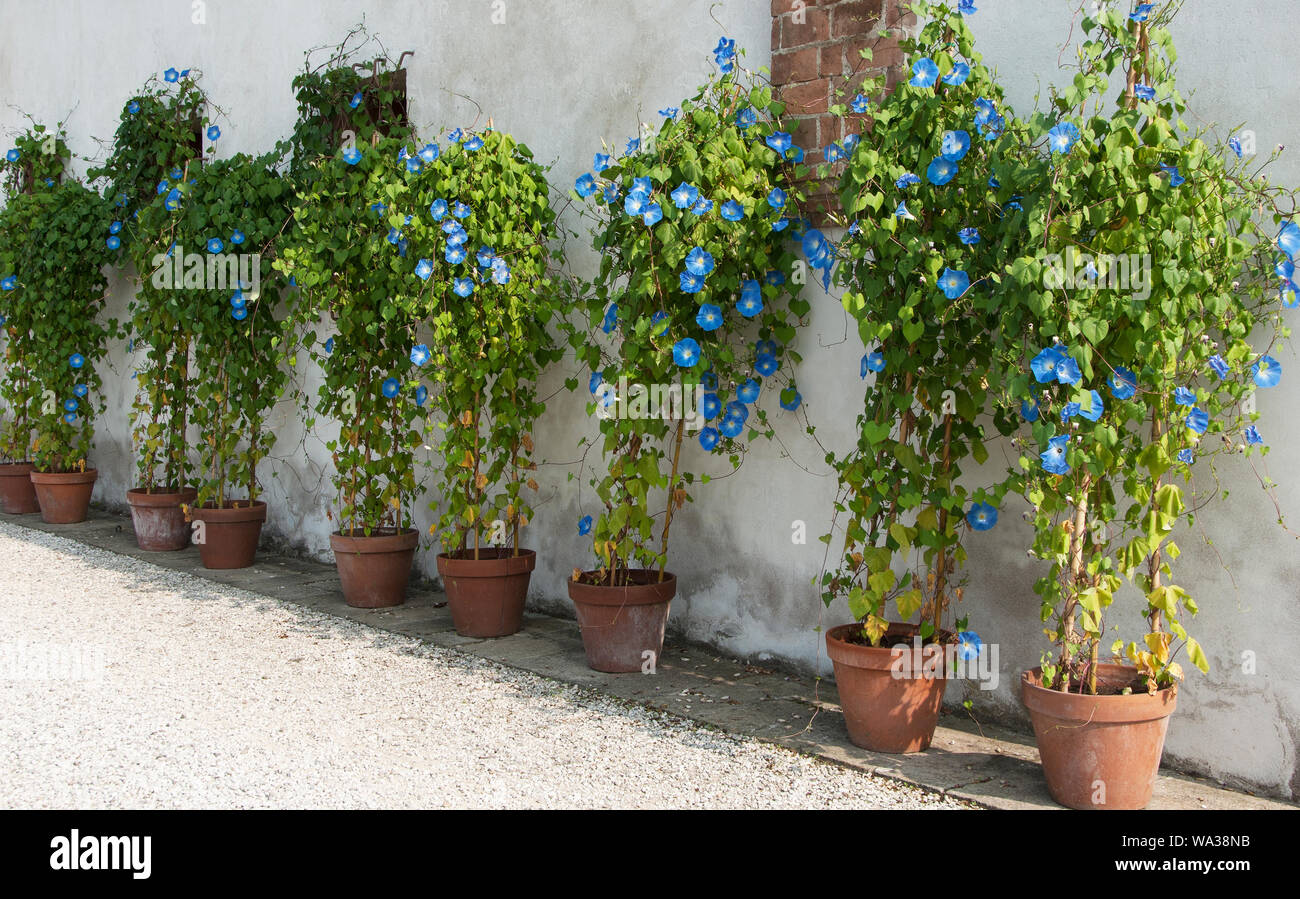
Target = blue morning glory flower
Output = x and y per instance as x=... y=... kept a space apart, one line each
x=725 y=54
x=70 y=405
x=414 y=165
x=1186 y=456
x=1123 y=383
x=1218 y=366
x=766 y=346
x=610 y=194
x=633 y=144
x=394 y=236
x=438 y=209
x=1252 y=435
x=237 y=237
x=173 y=199
x=133 y=107
x=76 y=360
x=1289 y=294
x=699 y=261
x=455 y=136
x=669 y=112
x=654 y=214
x=462 y=287
x=584 y=525
x=1198 y=420
x=213 y=132
x=985 y=111
x=594 y=381
x=957 y=77
x=702 y=205
x=659 y=323
x=643 y=184
x=776 y=199
x=1044 y=364
x=790 y=399
x=690 y=283
x=781 y=224
x=1069 y=410
x=421 y=394
x=1175 y=179
x=711 y=406
x=1054 y=458
x=941 y=171
x=80 y=390
x=460 y=210
x=748 y=392
x=1142 y=13
x=161 y=188
x=955 y=145
x=474 y=143
x=1098 y=407
x=873 y=362
x=860 y=104
x=351 y=155
x=113 y=242
x=430 y=152
x=833 y=153
x=423 y=269
x=237 y=300
x=685 y=195
x=953 y=283
x=709 y=317
x=709 y=438
x=9 y=283
x=600 y=162
x=1234 y=144
x=1185 y=397
x=969 y=236
x=751 y=299
x=356 y=100
x=906 y=180
x=686 y=352
x=1144 y=92
x=1029 y=410
x=420 y=354
x=732 y=211
x=70 y=418
x=982 y=517
x=967 y=8
x=737 y=411
x=484 y=256
x=391 y=387
x=454 y=254
x=903 y=212
x=500 y=271
x=239 y=314
x=610 y=322
x=745 y=118
x=1062 y=138
x=924 y=72
x=171 y=76
x=780 y=141
x=216 y=245
x=636 y=202
x=775 y=278
x=731 y=427
x=1267 y=371
x=329 y=346
x=766 y=364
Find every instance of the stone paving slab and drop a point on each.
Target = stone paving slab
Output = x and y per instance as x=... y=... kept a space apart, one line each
x=989 y=765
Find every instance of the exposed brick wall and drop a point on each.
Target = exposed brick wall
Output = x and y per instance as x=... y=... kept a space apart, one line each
x=816 y=51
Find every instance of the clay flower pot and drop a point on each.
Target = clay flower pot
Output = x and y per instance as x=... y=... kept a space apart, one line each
x=64 y=496
x=230 y=533
x=159 y=521
x=376 y=569
x=17 y=493
x=1099 y=751
x=486 y=595
x=623 y=627
x=888 y=706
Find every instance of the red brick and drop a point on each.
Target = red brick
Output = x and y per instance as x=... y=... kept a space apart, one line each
x=804 y=133
x=807 y=98
x=855 y=17
x=832 y=61
x=815 y=28
x=794 y=65
x=884 y=52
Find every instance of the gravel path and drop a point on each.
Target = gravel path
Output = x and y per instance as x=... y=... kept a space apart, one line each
x=127 y=685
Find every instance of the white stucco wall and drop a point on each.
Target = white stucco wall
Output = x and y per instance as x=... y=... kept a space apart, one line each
x=563 y=74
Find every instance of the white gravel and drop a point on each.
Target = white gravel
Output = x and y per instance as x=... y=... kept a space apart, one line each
x=126 y=685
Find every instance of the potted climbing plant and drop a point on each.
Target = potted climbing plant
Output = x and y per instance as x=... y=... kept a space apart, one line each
x=920 y=267
x=688 y=334
x=481 y=202
x=237 y=206
x=156 y=151
x=1150 y=283
x=355 y=269
x=53 y=299
x=37 y=160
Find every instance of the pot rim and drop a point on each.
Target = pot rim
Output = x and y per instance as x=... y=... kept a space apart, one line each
x=254 y=511
x=654 y=592
x=860 y=655
x=16 y=469
x=64 y=477
x=494 y=566
x=1114 y=708
x=136 y=496
x=381 y=540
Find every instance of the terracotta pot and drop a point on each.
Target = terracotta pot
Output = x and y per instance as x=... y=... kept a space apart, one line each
x=17 y=493
x=1099 y=751
x=230 y=533
x=376 y=569
x=886 y=712
x=64 y=496
x=486 y=595
x=159 y=521
x=620 y=625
